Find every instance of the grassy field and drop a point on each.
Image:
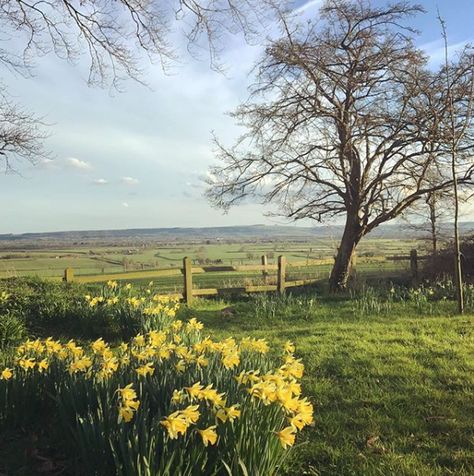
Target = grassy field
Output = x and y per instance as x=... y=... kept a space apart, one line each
x=392 y=383
x=101 y=260
x=393 y=394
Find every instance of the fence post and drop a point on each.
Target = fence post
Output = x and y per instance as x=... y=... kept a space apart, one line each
x=68 y=275
x=414 y=267
x=281 y=274
x=264 y=271
x=188 y=280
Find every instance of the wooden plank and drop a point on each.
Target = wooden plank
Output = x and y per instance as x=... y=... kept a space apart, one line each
x=188 y=280
x=300 y=282
x=261 y=288
x=281 y=274
x=256 y=267
x=97 y=278
x=205 y=292
x=264 y=271
x=314 y=262
x=69 y=275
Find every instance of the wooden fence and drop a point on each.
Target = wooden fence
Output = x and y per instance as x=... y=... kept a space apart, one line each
x=188 y=271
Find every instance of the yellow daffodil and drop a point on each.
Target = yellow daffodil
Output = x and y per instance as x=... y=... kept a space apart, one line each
x=180 y=366
x=145 y=370
x=289 y=347
x=175 y=424
x=178 y=396
x=43 y=365
x=195 y=390
x=191 y=413
x=6 y=374
x=287 y=436
x=209 y=435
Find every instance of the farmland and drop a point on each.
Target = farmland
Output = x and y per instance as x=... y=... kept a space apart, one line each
x=142 y=260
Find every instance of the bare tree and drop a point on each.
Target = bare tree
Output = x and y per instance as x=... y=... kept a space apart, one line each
x=459 y=120
x=21 y=134
x=115 y=37
x=427 y=216
x=345 y=119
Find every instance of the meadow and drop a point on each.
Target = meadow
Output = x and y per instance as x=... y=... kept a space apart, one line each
x=44 y=261
x=389 y=372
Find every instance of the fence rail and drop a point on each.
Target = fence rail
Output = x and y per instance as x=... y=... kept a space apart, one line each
x=187 y=271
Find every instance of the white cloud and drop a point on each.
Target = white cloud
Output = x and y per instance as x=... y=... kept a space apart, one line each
x=436 y=50
x=46 y=163
x=125 y=204
x=78 y=164
x=130 y=181
x=100 y=181
x=308 y=5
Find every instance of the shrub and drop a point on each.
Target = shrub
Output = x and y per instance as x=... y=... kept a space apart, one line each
x=442 y=264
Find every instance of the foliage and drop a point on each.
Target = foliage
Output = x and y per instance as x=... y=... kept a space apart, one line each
x=267 y=307
x=442 y=264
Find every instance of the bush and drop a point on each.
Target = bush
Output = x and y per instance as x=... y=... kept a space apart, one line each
x=442 y=264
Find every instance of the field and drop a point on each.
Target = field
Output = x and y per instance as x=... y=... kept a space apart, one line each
x=393 y=394
x=141 y=261
x=390 y=374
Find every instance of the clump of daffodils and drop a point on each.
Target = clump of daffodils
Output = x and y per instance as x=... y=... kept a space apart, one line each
x=184 y=388
x=132 y=309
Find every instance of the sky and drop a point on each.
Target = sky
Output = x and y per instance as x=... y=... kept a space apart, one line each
x=137 y=159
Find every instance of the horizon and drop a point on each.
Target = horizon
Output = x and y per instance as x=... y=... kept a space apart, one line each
x=253 y=225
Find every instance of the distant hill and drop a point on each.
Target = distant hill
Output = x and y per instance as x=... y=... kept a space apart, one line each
x=226 y=233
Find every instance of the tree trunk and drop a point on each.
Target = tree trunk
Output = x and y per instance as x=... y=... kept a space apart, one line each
x=342 y=265
x=434 y=224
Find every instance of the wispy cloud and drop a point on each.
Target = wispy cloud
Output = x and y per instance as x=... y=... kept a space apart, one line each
x=46 y=163
x=125 y=204
x=100 y=181
x=308 y=5
x=78 y=164
x=435 y=50
x=130 y=181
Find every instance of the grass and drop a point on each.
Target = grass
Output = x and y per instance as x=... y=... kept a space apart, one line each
x=393 y=390
x=393 y=394
x=88 y=259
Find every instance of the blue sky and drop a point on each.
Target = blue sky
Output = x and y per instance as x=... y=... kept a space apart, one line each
x=136 y=159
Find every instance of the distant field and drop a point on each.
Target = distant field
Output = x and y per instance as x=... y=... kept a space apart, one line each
x=103 y=260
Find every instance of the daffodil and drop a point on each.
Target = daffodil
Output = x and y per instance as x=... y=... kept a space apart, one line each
x=287 y=436
x=194 y=325
x=43 y=365
x=180 y=366
x=289 y=347
x=145 y=370
x=191 y=413
x=175 y=424
x=178 y=396
x=195 y=390
x=128 y=404
x=6 y=374
x=209 y=435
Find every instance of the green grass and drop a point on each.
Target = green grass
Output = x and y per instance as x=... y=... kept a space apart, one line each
x=393 y=390
x=393 y=395
x=98 y=259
